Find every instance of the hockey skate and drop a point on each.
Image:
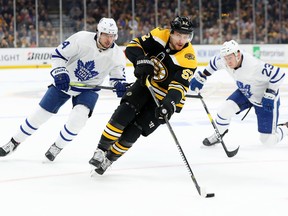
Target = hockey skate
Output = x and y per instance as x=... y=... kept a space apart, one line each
x=212 y=140
x=97 y=158
x=52 y=152
x=103 y=167
x=100 y=161
x=8 y=148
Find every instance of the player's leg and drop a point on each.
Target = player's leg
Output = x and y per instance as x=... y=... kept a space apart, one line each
x=145 y=123
x=270 y=133
x=234 y=104
x=49 y=105
x=131 y=103
x=83 y=106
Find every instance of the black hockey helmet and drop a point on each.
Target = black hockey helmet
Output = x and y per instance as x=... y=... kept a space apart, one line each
x=183 y=25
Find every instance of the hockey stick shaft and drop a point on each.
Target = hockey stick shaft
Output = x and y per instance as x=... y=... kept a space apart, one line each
x=200 y=192
x=91 y=86
x=75 y=84
x=219 y=137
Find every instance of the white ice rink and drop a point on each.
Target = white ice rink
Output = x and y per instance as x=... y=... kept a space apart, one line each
x=151 y=179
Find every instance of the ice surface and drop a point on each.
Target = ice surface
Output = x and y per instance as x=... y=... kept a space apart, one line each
x=151 y=179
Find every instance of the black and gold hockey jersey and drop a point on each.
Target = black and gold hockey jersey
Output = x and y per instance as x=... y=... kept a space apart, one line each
x=173 y=69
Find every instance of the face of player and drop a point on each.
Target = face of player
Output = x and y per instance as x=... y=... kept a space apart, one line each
x=232 y=60
x=178 y=40
x=106 y=40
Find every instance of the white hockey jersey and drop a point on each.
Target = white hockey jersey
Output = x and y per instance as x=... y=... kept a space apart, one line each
x=253 y=76
x=86 y=63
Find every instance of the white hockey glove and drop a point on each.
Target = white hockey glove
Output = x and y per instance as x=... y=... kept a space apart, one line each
x=61 y=78
x=197 y=81
x=268 y=100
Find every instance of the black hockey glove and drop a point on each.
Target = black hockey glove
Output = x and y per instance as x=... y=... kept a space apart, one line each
x=144 y=67
x=166 y=109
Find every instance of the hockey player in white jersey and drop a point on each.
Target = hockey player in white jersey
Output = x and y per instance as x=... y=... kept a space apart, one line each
x=258 y=86
x=84 y=58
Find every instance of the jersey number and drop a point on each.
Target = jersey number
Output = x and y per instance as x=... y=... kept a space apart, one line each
x=267 y=70
x=144 y=37
x=65 y=43
x=187 y=74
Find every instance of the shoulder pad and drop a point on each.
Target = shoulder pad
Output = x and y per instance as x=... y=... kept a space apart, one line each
x=186 y=57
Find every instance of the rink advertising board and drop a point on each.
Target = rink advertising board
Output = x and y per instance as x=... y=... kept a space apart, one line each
x=13 y=58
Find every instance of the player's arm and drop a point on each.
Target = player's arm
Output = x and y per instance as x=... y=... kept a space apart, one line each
x=276 y=79
x=143 y=66
x=200 y=77
x=140 y=46
x=60 y=57
x=177 y=90
x=117 y=75
x=276 y=76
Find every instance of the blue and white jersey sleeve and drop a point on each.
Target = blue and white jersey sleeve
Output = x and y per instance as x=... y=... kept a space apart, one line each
x=276 y=76
x=117 y=73
x=215 y=64
x=65 y=51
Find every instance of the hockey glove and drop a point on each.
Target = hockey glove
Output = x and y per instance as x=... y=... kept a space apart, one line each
x=144 y=67
x=166 y=109
x=61 y=78
x=120 y=88
x=197 y=81
x=268 y=100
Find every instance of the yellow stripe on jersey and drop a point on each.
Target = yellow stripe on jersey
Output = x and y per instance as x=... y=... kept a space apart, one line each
x=108 y=136
x=111 y=132
x=118 y=149
x=185 y=58
x=111 y=127
x=121 y=147
x=179 y=87
x=161 y=35
x=160 y=93
x=134 y=43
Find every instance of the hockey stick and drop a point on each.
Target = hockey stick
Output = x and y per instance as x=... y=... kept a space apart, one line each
x=200 y=190
x=219 y=137
x=75 y=84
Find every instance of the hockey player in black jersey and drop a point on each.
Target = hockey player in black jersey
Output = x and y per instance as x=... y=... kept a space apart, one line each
x=167 y=57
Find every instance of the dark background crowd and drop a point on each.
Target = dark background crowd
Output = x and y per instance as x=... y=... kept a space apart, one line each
x=30 y=23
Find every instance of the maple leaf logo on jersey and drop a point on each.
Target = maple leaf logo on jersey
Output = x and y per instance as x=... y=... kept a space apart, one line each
x=85 y=71
x=245 y=89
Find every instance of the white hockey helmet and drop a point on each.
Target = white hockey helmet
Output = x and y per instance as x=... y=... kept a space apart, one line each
x=229 y=47
x=108 y=26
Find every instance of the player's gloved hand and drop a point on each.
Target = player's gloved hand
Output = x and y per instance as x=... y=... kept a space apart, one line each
x=166 y=109
x=144 y=67
x=61 y=78
x=268 y=100
x=197 y=81
x=120 y=88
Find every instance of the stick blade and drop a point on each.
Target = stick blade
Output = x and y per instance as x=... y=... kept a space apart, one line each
x=210 y=195
x=206 y=195
x=232 y=153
